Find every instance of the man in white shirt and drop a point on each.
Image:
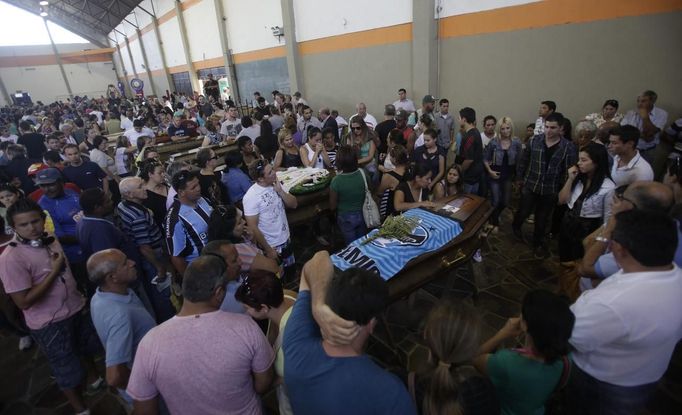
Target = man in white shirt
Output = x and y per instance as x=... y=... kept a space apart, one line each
x=232 y=125
x=138 y=130
x=627 y=328
x=361 y=109
x=307 y=121
x=648 y=119
x=265 y=215
x=404 y=102
x=628 y=164
x=298 y=99
x=127 y=120
x=488 y=133
x=546 y=108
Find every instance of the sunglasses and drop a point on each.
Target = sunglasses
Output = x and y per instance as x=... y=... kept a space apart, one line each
x=356 y=128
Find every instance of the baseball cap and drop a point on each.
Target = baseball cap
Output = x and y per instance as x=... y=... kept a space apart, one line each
x=428 y=98
x=401 y=114
x=48 y=176
x=389 y=109
x=34 y=168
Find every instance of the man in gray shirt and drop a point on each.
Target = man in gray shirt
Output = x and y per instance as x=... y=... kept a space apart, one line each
x=445 y=125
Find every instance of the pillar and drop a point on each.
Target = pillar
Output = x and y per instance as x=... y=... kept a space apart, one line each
x=59 y=60
x=293 y=57
x=424 y=49
x=227 y=53
x=146 y=62
x=185 y=47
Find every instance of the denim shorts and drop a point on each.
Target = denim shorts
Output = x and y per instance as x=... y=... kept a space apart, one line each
x=64 y=342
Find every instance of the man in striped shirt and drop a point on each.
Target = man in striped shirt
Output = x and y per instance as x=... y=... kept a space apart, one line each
x=187 y=221
x=137 y=222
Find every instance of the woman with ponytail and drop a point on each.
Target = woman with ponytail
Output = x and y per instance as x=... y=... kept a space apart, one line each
x=525 y=377
x=450 y=384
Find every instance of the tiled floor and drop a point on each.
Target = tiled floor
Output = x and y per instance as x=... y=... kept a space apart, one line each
x=506 y=273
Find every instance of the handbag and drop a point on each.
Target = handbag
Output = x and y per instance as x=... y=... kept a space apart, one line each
x=370 y=210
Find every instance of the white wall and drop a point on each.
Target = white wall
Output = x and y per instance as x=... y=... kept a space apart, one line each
x=170 y=35
x=202 y=31
x=151 y=47
x=45 y=82
x=249 y=26
x=317 y=19
x=456 y=7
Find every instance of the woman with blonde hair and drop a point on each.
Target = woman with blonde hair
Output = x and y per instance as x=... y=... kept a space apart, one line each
x=288 y=154
x=501 y=156
x=449 y=384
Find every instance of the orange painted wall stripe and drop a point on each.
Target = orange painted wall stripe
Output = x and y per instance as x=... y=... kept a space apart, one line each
x=260 y=54
x=374 y=37
x=209 y=63
x=550 y=13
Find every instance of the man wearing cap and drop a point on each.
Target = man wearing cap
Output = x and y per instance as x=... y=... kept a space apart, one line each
x=404 y=102
x=428 y=103
x=383 y=128
x=64 y=209
x=362 y=112
x=33 y=171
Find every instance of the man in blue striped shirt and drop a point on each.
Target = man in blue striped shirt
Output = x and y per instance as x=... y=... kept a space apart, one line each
x=187 y=221
x=137 y=222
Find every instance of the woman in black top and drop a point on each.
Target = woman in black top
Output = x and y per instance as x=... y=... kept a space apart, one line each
x=431 y=156
x=267 y=141
x=288 y=154
x=414 y=191
x=154 y=175
x=397 y=156
x=209 y=180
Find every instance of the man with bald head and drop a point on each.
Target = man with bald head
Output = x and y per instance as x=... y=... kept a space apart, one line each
x=361 y=109
x=598 y=262
x=137 y=222
x=117 y=314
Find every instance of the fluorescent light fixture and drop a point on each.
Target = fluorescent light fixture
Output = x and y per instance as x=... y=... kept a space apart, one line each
x=44 y=3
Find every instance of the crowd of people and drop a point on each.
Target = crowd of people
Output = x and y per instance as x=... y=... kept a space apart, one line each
x=175 y=272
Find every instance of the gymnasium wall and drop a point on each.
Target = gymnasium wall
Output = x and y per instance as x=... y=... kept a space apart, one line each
x=34 y=69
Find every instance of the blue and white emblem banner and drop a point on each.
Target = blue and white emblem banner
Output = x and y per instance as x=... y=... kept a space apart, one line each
x=388 y=257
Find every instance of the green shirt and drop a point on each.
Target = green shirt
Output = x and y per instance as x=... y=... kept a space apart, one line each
x=350 y=190
x=523 y=384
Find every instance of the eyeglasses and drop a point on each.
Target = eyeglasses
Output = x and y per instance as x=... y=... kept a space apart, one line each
x=356 y=128
x=621 y=196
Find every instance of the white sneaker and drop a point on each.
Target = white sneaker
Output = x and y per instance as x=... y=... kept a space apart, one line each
x=25 y=343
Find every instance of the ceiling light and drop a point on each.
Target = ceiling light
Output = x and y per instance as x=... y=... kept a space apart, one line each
x=44 y=3
x=43 y=14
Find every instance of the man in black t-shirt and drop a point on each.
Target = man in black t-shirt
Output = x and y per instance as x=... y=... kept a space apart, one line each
x=34 y=142
x=383 y=128
x=471 y=151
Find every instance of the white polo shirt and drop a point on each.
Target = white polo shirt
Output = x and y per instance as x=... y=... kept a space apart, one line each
x=637 y=169
x=626 y=329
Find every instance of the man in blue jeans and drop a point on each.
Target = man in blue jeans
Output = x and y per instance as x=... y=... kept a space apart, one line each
x=541 y=171
x=471 y=152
